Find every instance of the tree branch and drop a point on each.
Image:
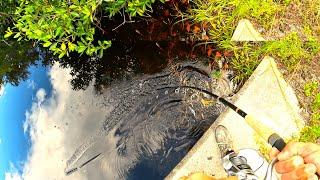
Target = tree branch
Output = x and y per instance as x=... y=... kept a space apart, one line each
x=4 y=14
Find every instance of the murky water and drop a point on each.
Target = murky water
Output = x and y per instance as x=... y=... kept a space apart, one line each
x=151 y=126
x=119 y=117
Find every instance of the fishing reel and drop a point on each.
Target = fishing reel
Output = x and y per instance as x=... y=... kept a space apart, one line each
x=243 y=165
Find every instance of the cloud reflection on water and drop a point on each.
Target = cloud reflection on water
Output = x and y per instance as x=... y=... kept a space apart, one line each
x=57 y=125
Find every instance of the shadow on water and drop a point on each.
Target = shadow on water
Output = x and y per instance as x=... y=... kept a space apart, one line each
x=144 y=46
x=15 y=59
x=120 y=62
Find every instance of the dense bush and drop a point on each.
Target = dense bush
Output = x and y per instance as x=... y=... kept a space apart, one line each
x=69 y=25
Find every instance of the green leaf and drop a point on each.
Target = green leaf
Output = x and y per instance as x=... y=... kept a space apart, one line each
x=47 y=44
x=101 y=53
x=73 y=7
x=53 y=47
x=63 y=47
x=61 y=55
x=8 y=34
x=86 y=11
x=17 y=35
x=75 y=14
x=93 y=7
x=71 y=46
x=47 y=37
x=107 y=42
x=81 y=48
x=58 y=31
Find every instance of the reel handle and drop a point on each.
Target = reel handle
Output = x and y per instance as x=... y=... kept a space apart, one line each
x=276 y=141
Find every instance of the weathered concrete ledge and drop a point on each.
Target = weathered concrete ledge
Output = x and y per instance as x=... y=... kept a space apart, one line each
x=267 y=96
x=246 y=32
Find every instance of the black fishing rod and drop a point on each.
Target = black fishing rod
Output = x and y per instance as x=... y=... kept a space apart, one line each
x=264 y=131
x=79 y=167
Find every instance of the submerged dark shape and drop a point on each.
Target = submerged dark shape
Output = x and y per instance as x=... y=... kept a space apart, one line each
x=151 y=128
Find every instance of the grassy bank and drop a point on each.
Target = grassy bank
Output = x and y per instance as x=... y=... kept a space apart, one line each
x=292 y=26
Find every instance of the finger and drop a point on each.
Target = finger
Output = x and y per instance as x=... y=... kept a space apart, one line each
x=273 y=153
x=289 y=164
x=313 y=177
x=314 y=158
x=303 y=172
x=297 y=148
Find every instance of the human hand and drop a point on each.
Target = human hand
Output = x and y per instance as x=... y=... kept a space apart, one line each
x=298 y=161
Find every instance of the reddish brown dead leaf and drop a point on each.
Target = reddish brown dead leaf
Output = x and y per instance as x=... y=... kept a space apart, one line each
x=205 y=25
x=218 y=54
x=206 y=38
x=209 y=51
x=227 y=53
x=196 y=29
x=166 y=13
x=185 y=1
x=225 y=66
x=188 y=26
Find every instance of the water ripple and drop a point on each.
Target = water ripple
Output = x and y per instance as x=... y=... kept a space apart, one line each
x=149 y=130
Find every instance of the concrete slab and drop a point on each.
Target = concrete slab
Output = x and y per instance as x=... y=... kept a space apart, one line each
x=265 y=95
x=246 y=32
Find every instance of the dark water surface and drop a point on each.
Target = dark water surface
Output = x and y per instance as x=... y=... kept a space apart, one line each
x=154 y=125
x=122 y=110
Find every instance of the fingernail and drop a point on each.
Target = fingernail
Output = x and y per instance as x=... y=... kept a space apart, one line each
x=313 y=177
x=310 y=169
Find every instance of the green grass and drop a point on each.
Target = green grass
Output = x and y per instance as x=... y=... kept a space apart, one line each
x=294 y=51
x=245 y=59
x=289 y=51
x=311 y=132
x=310 y=88
x=224 y=15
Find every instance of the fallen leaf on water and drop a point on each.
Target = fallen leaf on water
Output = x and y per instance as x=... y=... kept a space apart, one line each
x=207 y=103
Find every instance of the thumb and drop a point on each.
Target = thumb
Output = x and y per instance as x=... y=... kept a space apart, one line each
x=274 y=152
